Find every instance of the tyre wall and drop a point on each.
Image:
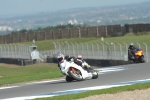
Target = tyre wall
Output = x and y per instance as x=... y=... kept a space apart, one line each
x=98 y=62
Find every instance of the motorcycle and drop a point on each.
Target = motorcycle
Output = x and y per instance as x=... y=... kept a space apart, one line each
x=78 y=73
x=138 y=56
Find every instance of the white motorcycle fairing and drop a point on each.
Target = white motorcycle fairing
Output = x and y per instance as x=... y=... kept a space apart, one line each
x=67 y=65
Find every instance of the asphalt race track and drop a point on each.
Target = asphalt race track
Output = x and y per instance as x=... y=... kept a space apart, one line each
x=107 y=76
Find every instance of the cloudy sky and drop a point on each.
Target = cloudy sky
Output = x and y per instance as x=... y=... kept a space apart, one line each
x=19 y=7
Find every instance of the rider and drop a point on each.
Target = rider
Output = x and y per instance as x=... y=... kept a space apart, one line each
x=79 y=61
x=83 y=62
x=131 y=48
x=75 y=60
x=61 y=59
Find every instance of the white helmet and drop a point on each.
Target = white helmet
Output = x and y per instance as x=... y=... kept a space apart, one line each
x=60 y=57
x=131 y=45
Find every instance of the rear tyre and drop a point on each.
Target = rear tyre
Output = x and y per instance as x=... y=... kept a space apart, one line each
x=69 y=79
x=75 y=76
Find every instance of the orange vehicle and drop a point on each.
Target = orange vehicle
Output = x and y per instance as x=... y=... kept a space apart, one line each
x=138 y=56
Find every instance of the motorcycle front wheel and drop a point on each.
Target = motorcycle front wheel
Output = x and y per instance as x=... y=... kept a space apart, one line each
x=142 y=59
x=94 y=73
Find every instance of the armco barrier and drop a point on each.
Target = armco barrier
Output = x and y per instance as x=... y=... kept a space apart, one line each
x=97 y=62
x=106 y=63
x=21 y=62
x=92 y=62
x=9 y=61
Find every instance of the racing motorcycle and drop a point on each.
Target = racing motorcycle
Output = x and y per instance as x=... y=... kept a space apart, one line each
x=138 y=56
x=78 y=73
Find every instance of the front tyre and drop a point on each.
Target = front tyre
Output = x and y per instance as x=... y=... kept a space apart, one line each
x=142 y=59
x=94 y=75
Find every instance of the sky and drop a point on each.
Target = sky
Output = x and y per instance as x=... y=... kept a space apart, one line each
x=9 y=8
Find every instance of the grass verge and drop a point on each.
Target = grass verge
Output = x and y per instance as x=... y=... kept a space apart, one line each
x=98 y=92
x=48 y=44
x=11 y=74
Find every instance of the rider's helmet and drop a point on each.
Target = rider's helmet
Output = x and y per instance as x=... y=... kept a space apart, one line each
x=60 y=57
x=131 y=45
x=79 y=57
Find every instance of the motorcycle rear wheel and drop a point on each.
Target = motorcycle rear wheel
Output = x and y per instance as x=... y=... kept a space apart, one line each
x=75 y=75
x=69 y=79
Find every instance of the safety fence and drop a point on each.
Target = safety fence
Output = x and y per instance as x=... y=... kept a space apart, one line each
x=102 y=50
x=16 y=51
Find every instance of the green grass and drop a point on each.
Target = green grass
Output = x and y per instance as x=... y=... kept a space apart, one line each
x=10 y=74
x=98 y=92
x=48 y=44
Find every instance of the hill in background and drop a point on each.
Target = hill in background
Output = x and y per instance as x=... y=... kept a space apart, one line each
x=133 y=13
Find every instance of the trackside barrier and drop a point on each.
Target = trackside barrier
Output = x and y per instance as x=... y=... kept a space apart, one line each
x=19 y=54
x=98 y=62
x=98 y=51
x=102 y=50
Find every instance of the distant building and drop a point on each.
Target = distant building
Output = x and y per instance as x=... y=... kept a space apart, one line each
x=73 y=22
x=6 y=28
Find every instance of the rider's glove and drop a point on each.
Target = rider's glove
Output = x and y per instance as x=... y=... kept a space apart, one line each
x=72 y=60
x=88 y=65
x=85 y=64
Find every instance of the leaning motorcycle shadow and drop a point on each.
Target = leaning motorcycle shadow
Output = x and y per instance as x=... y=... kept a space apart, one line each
x=74 y=81
x=63 y=82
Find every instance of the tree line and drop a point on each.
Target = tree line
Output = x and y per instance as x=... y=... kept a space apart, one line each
x=40 y=29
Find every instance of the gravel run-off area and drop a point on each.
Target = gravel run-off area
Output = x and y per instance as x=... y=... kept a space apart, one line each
x=127 y=95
